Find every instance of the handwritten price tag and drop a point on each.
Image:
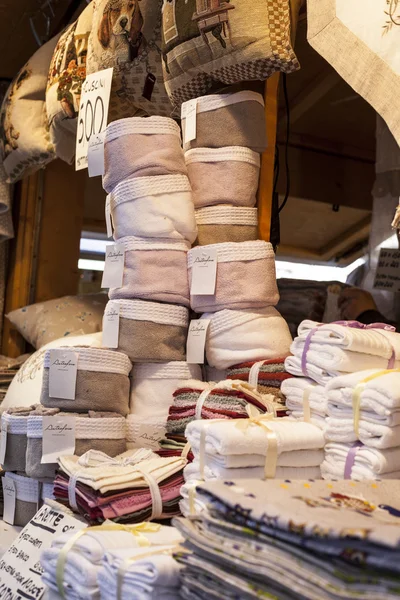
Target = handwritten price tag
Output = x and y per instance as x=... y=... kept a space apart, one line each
x=93 y=112
x=387 y=275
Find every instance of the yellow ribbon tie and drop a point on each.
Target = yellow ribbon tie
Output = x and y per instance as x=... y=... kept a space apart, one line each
x=186 y=450
x=261 y=420
x=356 y=396
x=192 y=496
x=306 y=404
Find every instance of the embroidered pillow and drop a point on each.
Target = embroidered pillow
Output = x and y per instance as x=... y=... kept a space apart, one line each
x=24 y=135
x=211 y=43
x=126 y=35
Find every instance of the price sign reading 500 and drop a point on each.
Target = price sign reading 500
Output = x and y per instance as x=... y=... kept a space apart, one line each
x=93 y=111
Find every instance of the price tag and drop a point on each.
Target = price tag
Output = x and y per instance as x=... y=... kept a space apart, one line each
x=114 y=266
x=96 y=154
x=204 y=271
x=111 y=326
x=148 y=436
x=189 y=113
x=93 y=112
x=62 y=375
x=196 y=341
x=387 y=275
x=58 y=438
x=9 y=494
x=108 y=217
x=3 y=442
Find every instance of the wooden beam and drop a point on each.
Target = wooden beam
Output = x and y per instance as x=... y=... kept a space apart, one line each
x=266 y=183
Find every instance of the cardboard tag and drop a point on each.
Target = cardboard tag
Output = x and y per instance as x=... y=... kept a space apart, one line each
x=108 y=217
x=189 y=113
x=148 y=436
x=93 y=112
x=204 y=271
x=387 y=275
x=3 y=442
x=58 y=438
x=9 y=493
x=114 y=267
x=196 y=341
x=111 y=326
x=96 y=154
x=62 y=375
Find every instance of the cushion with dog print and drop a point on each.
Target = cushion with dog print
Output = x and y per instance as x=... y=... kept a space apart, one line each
x=66 y=75
x=24 y=136
x=126 y=35
x=209 y=44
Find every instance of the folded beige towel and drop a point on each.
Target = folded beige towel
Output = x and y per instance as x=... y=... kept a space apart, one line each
x=224 y=223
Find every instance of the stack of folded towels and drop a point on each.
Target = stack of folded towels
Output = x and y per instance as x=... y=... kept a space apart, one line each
x=104 y=561
x=363 y=426
x=132 y=487
x=266 y=375
x=305 y=400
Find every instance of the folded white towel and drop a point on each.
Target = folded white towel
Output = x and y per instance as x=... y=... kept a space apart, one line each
x=300 y=458
x=80 y=574
x=317 y=420
x=72 y=591
x=192 y=472
x=370 y=434
x=296 y=389
x=317 y=374
x=338 y=411
x=191 y=502
x=369 y=463
x=240 y=436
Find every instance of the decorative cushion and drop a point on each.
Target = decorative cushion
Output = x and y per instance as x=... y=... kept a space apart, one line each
x=24 y=135
x=68 y=316
x=211 y=42
x=66 y=75
x=127 y=36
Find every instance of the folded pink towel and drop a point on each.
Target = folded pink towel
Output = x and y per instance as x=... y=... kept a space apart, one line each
x=245 y=277
x=155 y=269
x=234 y=172
x=139 y=147
x=223 y=223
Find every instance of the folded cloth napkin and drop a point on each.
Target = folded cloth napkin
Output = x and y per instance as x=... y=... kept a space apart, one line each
x=139 y=147
x=245 y=278
x=225 y=223
x=233 y=170
x=372 y=434
x=305 y=400
x=267 y=375
x=153 y=207
x=245 y=335
x=346 y=461
x=192 y=472
x=154 y=269
x=141 y=574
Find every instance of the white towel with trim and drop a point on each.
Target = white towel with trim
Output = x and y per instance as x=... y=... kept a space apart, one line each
x=369 y=463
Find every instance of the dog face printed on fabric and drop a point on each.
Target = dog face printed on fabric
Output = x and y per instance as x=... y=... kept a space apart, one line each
x=121 y=18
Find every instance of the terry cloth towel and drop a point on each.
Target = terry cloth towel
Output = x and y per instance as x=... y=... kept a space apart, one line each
x=141 y=147
x=144 y=432
x=349 y=461
x=233 y=171
x=192 y=472
x=153 y=207
x=93 y=431
x=29 y=494
x=229 y=120
x=155 y=269
x=245 y=335
x=267 y=375
x=141 y=574
x=15 y=422
x=102 y=382
x=372 y=434
x=305 y=400
x=219 y=224
x=225 y=400
x=246 y=277
x=151 y=331
x=153 y=386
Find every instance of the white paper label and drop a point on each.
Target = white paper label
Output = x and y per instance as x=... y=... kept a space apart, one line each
x=20 y=568
x=3 y=442
x=58 y=438
x=93 y=112
x=9 y=493
x=204 y=271
x=114 y=266
x=108 y=217
x=387 y=275
x=62 y=375
x=96 y=154
x=148 y=436
x=189 y=113
x=196 y=341
x=111 y=326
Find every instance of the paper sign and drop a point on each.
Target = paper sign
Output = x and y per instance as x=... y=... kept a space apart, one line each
x=3 y=442
x=96 y=154
x=189 y=113
x=62 y=375
x=196 y=341
x=9 y=494
x=58 y=438
x=108 y=216
x=111 y=326
x=114 y=266
x=387 y=275
x=93 y=112
x=20 y=568
x=204 y=271
x=148 y=436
